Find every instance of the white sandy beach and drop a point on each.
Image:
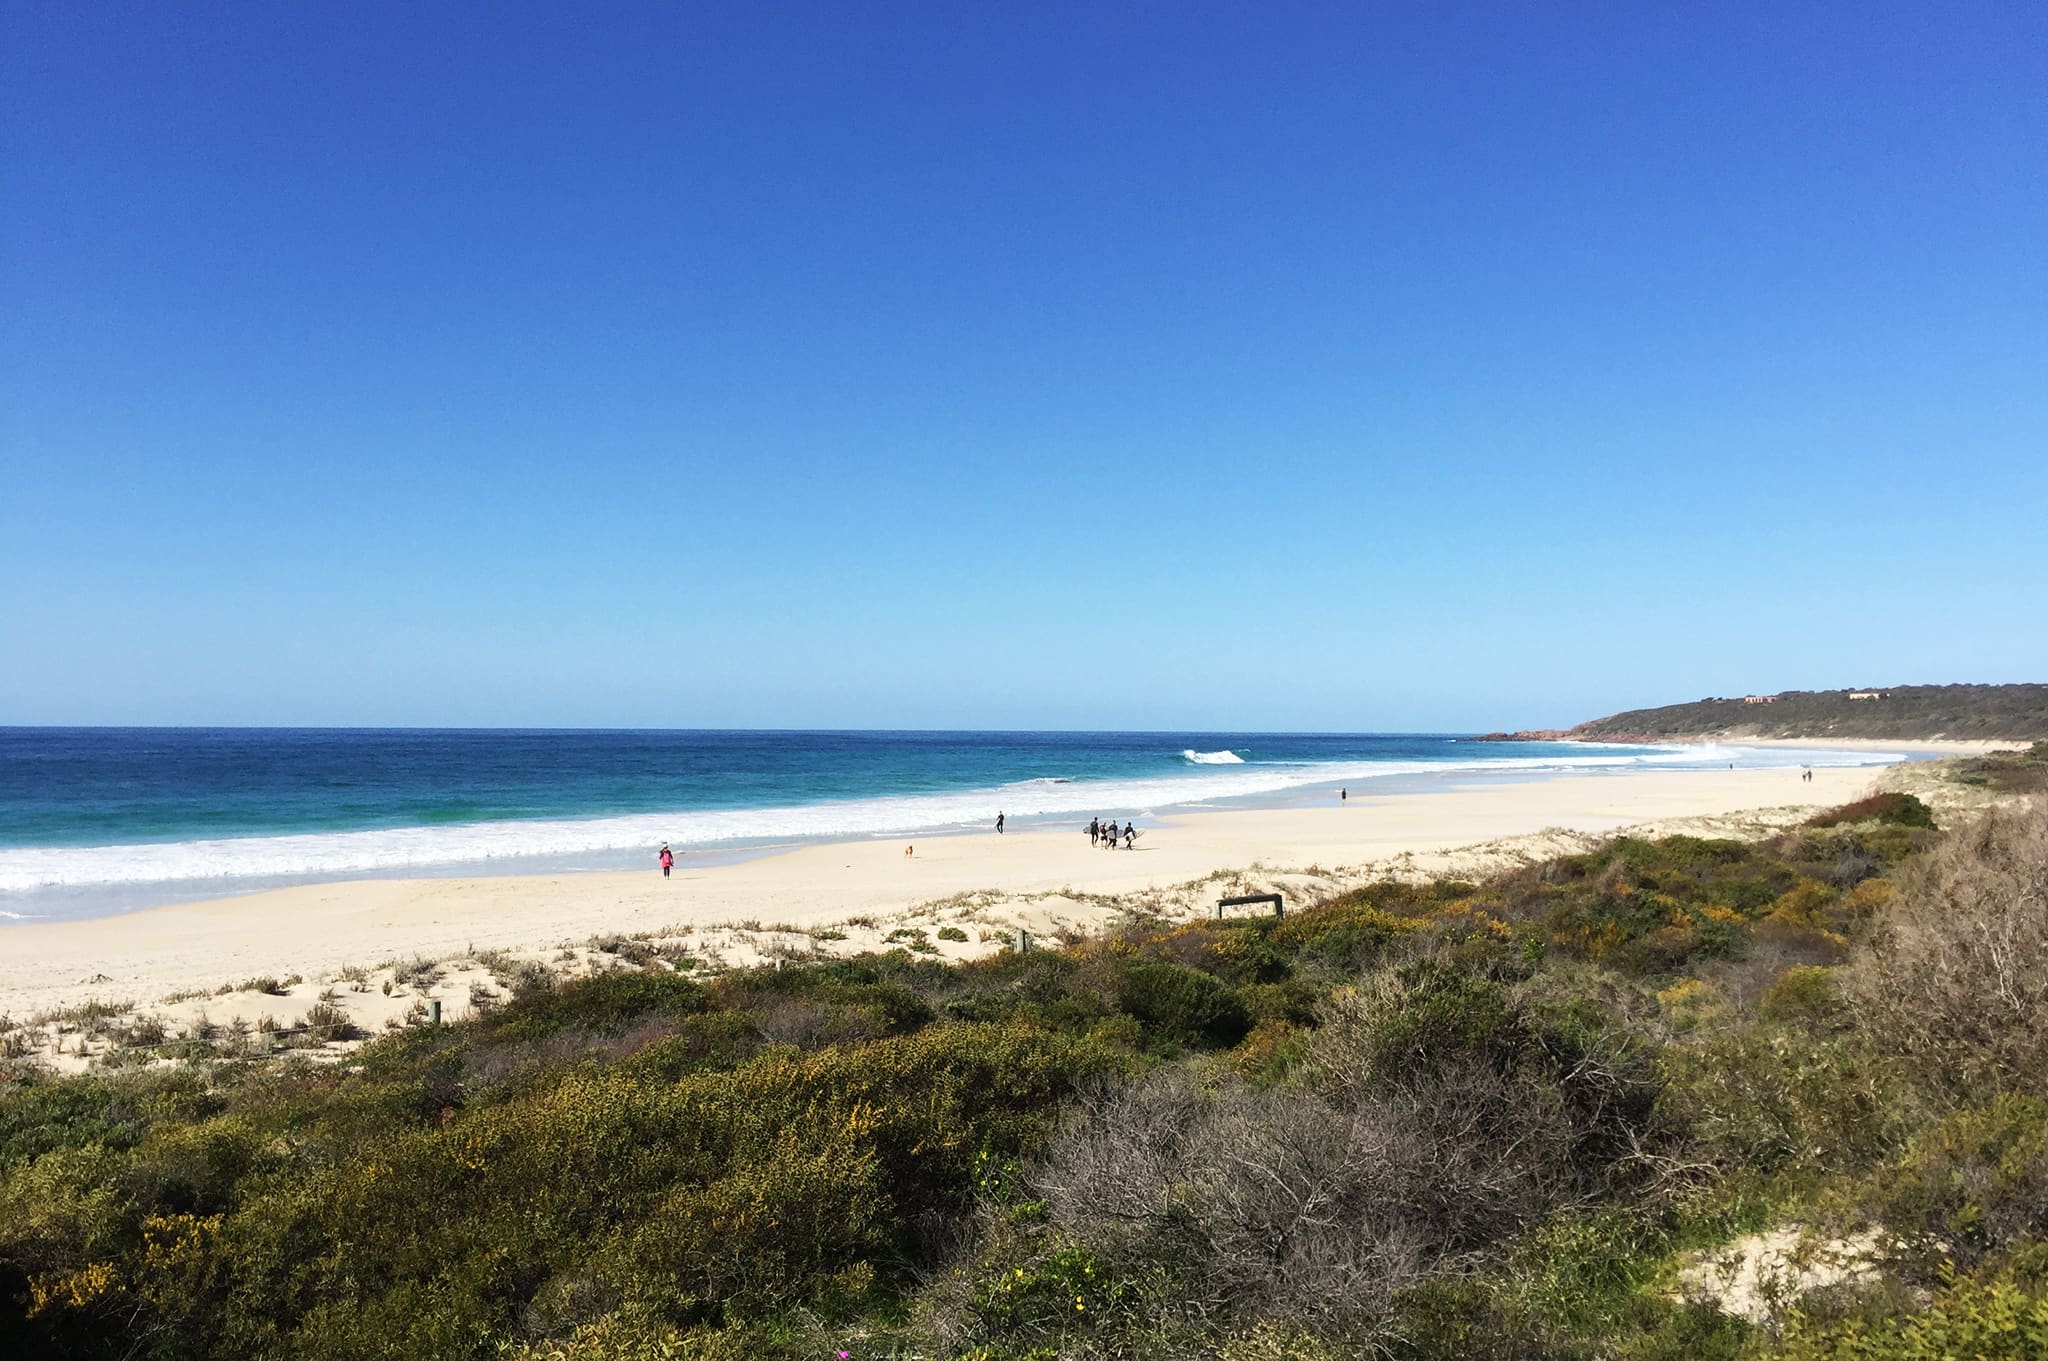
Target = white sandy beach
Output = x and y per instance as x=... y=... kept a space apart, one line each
x=1046 y=879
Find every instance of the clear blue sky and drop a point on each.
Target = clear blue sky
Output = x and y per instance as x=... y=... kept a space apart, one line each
x=1118 y=366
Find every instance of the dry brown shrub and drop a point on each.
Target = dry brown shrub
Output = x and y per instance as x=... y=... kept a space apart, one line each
x=1313 y=1203
x=1956 y=980
x=325 y=1021
x=1264 y=1203
x=1493 y=1149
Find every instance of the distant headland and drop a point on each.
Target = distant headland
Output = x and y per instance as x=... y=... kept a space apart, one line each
x=1894 y=713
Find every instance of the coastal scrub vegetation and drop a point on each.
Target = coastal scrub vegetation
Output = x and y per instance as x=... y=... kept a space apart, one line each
x=2018 y=771
x=1993 y=712
x=1519 y=1118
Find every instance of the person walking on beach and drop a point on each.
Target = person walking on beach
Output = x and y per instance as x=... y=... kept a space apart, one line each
x=1130 y=836
x=668 y=860
x=1095 y=831
x=999 y=824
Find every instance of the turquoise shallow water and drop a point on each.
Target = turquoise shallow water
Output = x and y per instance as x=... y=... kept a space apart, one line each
x=96 y=819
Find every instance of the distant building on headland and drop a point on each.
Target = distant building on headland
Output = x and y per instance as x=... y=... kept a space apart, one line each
x=1866 y=694
x=1759 y=699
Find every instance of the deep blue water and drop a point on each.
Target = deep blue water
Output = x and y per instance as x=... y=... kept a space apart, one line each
x=92 y=786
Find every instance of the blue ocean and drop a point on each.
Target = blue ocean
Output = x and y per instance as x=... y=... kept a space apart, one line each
x=97 y=820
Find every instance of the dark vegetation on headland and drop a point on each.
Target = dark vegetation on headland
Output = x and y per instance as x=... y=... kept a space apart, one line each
x=1905 y=712
x=1422 y=1121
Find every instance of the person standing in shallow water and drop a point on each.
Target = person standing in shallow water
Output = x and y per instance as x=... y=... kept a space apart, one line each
x=999 y=824
x=668 y=860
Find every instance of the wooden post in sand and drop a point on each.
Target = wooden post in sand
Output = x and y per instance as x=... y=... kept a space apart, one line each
x=434 y=1012
x=1023 y=940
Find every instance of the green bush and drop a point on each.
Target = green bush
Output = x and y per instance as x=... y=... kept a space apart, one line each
x=603 y=1003
x=1996 y=1319
x=1902 y=810
x=1581 y=1285
x=1181 y=1004
x=1757 y=1101
x=1440 y=1016
x=1354 y=932
x=1804 y=993
x=1978 y=1181
x=588 y=1189
x=42 y=1114
x=1241 y=951
x=1061 y=1290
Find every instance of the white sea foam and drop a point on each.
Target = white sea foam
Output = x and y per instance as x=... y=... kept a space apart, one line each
x=504 y=845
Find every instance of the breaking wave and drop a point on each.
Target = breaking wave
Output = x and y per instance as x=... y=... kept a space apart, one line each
x=1211 y=758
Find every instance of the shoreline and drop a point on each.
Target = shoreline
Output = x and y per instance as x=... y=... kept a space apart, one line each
x=148 y=876
x=983 y=884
